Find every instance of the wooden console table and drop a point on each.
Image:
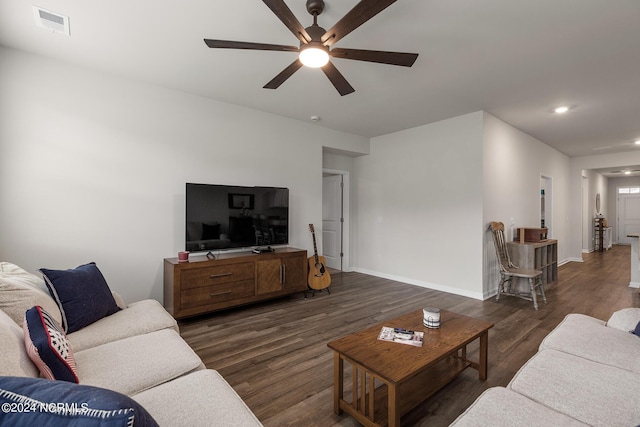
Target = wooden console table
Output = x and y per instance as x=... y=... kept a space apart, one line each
x=202 y=285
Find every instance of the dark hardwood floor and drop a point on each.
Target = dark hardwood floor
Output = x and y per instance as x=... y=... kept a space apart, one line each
x=275 y=355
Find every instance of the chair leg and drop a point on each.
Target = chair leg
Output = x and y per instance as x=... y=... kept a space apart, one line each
x=544 y=298
x=510 y=280
x=533 y=293
x=500 y=288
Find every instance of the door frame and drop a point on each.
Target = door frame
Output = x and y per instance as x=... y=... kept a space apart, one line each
x=345 y=235
x=587 y=221
x=546 y=182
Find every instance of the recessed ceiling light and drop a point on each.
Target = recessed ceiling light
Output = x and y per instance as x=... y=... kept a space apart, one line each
x=627 y=172
x=561 y=110
x=637 y=142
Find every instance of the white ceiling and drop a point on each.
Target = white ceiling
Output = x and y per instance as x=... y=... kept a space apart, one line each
x=516 y=59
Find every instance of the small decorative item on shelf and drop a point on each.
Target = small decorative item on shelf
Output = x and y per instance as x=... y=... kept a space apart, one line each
x=431 y=317
x=183 y=256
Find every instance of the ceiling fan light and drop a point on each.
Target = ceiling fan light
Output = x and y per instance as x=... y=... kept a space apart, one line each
x=314 y=57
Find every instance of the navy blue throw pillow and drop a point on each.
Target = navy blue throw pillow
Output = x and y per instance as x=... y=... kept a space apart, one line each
x=42 y=402
x=636 y=331
x=82 y=295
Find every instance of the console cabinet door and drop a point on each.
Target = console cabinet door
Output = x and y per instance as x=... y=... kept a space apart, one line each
x=269 y=276
x=295 y=272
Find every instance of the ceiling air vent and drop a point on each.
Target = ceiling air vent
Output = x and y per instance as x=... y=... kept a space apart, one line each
x=51 y=21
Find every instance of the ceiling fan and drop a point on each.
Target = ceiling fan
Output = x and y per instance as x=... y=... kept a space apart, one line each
x=315 y=42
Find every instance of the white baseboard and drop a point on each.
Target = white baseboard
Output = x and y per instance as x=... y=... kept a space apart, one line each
x=570 y=259
x=634 y=284
x=428 y=285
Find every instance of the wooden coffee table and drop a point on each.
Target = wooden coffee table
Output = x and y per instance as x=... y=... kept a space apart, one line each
x=389 y=379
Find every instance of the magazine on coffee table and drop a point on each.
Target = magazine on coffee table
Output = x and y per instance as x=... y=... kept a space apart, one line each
x=402 y=336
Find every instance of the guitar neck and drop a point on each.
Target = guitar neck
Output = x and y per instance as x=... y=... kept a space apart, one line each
x=315 y=248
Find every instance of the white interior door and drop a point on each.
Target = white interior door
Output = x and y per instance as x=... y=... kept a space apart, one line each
x=332 y=221
x=628 y=216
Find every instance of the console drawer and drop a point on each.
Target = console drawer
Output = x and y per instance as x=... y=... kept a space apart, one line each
x=202 y=277
x=206 y=295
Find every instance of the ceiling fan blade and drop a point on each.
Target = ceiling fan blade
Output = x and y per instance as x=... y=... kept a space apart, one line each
x=227 y=44
x=284 y=75
x=382 y=57
x=357 y=16
x=341 y=84
x=287 y=17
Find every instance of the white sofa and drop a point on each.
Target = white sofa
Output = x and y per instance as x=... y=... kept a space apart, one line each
x=137 y=352
x=586 y=372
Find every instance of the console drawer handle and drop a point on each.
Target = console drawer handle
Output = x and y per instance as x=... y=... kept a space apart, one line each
x=215 y=276
x=220 y=293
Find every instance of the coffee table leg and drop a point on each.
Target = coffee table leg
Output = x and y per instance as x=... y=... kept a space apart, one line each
x=484 y=348
x=394 y=410
x=338 y=385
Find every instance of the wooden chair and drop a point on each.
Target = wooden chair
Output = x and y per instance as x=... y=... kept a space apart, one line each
x=508 y=270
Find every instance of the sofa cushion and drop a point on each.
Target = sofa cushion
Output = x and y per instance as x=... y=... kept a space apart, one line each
x=21 y=290
x=137 y=363
x=57 y=403
x=139 y=318
x=214 y=403
x=14 y=360
x=593 y=393
x=625 y=319
x=82 y=294
x=500 y=407
x=589 y=338
x=48 y=347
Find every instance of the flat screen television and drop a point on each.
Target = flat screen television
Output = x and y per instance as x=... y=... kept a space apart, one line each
x=222 y=217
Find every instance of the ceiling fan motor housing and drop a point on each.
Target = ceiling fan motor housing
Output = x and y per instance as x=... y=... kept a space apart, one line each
x=315 y=32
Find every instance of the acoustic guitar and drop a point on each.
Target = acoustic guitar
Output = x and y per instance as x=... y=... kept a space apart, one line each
x=318 y=274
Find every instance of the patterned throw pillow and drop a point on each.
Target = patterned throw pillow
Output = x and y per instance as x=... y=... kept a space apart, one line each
x=47 y=346
x=82 y=294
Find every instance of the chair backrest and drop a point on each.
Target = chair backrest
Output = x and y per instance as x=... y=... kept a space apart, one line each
x=500 y=242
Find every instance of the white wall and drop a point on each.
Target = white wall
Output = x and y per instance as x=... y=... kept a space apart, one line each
x=513 y=163
x=93 y=168
x=418 y=200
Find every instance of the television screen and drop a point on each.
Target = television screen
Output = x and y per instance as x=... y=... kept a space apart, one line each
x=225 y=217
